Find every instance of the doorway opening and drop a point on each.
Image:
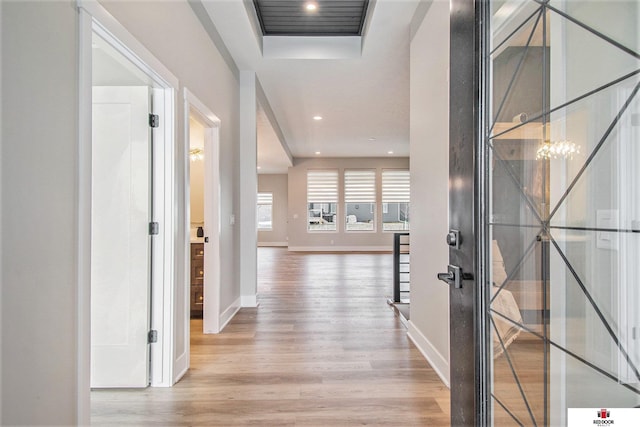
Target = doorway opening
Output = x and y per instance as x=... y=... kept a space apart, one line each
x=196 y=221
x=199 y=297
x=125 y=210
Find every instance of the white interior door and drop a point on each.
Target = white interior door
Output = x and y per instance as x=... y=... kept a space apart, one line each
x=120 y=243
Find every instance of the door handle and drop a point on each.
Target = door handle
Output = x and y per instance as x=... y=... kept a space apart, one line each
x=446 y=277
x=453 y=276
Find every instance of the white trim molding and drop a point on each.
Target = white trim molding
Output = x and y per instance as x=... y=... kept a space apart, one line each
x=439 y=364
x=340 y=249
x=272 y=244
x=228 y=314
x=135 y=51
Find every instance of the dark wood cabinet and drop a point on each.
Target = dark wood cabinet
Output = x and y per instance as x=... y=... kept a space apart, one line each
x=197 y=279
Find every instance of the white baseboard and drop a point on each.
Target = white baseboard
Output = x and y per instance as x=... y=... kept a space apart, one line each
x=249 y=301
x=228 y=314
x=274 y=244
x=433 y=356
x=340 y=249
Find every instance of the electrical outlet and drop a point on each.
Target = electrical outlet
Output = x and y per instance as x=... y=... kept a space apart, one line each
x=232 y=219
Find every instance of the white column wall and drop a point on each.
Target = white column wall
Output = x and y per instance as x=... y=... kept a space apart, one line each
x=248 y=188
x=429 y=325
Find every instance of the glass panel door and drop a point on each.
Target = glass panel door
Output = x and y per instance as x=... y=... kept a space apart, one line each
x=562 y=139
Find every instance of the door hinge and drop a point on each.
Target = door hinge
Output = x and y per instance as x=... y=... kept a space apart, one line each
x=154 y=228
x=154 y=120
x=152 y=336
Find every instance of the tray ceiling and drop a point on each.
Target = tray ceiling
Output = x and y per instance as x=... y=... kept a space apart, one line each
x=326 y=17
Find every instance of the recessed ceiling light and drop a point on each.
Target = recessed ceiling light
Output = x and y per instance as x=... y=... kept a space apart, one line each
x=317 y=117
x=317 y=153
x=259 y=167
x=311 y=7
x=372 y=139
x=389 y=152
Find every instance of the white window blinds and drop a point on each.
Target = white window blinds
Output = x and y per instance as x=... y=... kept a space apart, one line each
x=265 y=198
x=395 y=186
x=360 y=186
x=322 y=186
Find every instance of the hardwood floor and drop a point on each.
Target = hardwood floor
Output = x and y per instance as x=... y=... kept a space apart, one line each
x=526 y=401
x=322 y=349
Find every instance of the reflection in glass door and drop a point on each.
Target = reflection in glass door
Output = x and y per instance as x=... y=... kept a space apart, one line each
x=563 y=143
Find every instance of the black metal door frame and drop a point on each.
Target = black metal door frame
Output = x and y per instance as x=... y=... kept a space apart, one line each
x=468 y=341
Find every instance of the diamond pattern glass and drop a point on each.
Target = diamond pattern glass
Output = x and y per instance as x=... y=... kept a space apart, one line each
x=564 y=222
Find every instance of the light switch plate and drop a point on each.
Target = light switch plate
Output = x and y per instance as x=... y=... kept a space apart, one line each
x=607 y=218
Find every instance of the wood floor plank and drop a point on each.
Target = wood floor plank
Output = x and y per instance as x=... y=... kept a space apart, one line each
x=322 y=349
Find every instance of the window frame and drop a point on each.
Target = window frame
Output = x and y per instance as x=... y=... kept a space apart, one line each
x=336 y=202
x=383 y=202
x=258 y=204
x=374 y=203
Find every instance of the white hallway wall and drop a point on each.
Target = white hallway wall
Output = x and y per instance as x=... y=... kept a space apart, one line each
x=429 y=109
x=39 y=168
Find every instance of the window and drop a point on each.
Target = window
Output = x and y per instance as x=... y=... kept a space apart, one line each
x=360 y=200
x=265 y=204
x=395 y=200
x=322 y=200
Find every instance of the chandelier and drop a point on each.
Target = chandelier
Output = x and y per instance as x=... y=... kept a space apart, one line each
x=557 y=149
x=196 y=154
